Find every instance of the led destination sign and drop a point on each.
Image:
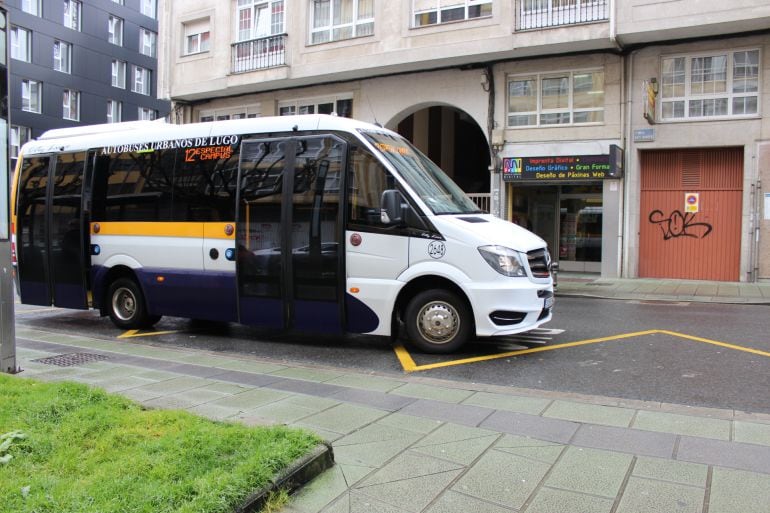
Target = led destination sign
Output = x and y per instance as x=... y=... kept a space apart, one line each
x=564 y=168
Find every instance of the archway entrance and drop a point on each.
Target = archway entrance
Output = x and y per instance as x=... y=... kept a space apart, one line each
x=455 y=142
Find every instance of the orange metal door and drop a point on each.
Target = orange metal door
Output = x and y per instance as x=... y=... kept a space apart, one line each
x=674 y=243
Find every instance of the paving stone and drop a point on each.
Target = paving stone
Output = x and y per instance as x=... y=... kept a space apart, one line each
x=590 y=413
x=179 y=384
x=250 y=366
x=682 y=424
x=420 y=391
x=590 y=471
x=354 y=473
x=463 y=451
x=317 y=375
x=344 y=418
x=411 y=495
x=381 y=400
x=648 y=496
x=410 y=423
x=633 y=441
x=122 y=383
x=195 y=370
x=550 y=500
x=448 y=412
x=502 y=478
x=282 y=412
x=547 y=452
x=755 y=458
x=409 y=465
x=247 y=378
x=355 y=502
x=553 y=430
x=250 y=398
x=453 y=502
x=738 y=491
x=140 y=395
x=326 y=434
x=454 y=433
x=752 y=433
x=373 y=383
x=674 y=471
x=214 y=412
x=378 y=432
x=305 y=387
x=319 y=492
x=530 y=405
x=369 y=454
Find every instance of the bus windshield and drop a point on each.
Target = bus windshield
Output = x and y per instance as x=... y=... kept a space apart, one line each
x=434 y=187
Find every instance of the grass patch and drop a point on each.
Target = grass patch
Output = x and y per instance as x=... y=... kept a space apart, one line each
x=83 y=450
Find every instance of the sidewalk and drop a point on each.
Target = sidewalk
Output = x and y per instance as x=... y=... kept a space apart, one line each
x=651 y=289
x=409 y=444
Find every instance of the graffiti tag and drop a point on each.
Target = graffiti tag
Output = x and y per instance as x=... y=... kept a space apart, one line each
x=679 y=225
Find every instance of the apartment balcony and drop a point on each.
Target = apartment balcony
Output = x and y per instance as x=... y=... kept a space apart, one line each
x=537 y=14
x=256 y=54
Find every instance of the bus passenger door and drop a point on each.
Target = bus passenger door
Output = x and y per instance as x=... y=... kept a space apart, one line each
x=289 y=258
x=52 y=239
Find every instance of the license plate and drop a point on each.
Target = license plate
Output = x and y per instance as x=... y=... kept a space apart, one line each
x=549 y=302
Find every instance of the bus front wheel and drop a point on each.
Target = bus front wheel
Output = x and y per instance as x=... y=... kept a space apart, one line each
x=127 y=308
x=437 y=321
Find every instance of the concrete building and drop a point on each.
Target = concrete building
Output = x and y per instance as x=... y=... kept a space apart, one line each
x=633 y=136
x=79 y=62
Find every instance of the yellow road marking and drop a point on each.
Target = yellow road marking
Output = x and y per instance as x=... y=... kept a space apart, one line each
x=409 y=365
x=135 y=333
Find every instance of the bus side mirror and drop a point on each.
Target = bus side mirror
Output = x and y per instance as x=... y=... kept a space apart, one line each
x=392 y=207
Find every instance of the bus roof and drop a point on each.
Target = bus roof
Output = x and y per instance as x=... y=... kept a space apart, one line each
x=82 y=138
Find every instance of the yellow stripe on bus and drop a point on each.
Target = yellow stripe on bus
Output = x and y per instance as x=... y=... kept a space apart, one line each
x=216 y=230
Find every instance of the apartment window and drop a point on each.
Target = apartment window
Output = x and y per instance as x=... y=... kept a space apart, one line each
x=62 y=56
x=710 y=85
x=114 y=111
x=21 y=44
x=119 y=2
x=259 y=18
x=19 y=135
x=551 y=13
x=432 y=12
x=566 y=98
x=71 y=105
x=148 y=42
x=146 y=114
x=148 y=8
x=342 y=107
x=196 y=36
x=242 y=112
x=115 y=30
x=333 y=20
x=141 y=80
x=72 y=10
x=118 y=74
x=30 y=95
x=31 y=7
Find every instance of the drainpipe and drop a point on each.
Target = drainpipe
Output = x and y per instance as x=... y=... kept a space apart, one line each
x=496 y=207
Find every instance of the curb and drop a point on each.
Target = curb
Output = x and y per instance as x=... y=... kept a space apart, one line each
x=664 y=299
x=296 y=475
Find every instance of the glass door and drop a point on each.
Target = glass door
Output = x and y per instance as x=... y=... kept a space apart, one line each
x=580 y=228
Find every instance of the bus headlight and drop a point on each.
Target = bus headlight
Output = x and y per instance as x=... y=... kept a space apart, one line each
x=504 y=260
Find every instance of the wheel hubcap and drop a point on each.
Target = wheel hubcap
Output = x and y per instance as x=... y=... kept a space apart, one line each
x=124 y=304
x=438 y=322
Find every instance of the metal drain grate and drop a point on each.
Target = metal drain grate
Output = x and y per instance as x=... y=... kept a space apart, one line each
x=71 y=359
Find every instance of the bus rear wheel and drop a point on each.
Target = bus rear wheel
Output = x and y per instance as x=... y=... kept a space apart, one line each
x=437 y=321
x=127 y=307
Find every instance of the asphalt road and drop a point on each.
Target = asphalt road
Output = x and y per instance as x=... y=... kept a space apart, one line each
x=703 y=359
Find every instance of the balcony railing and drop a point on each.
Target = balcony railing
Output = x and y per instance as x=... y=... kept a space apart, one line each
x=481 y=199
x=534 y=14
x=262 y=53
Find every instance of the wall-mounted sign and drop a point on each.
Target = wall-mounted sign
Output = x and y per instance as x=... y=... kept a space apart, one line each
x=565 y=168
x=691 y=202
x=650 y=92
x=644 y=135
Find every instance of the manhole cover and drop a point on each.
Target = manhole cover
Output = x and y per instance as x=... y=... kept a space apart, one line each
x=71 y=359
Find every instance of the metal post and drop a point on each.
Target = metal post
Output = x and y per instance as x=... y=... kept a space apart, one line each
x=7 y=320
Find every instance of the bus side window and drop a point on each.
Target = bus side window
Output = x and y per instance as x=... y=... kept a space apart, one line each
x=205 y=188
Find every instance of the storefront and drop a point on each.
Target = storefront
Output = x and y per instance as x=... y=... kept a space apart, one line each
x=572 y=202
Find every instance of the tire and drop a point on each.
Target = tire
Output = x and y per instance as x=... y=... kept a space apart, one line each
x=437 y=321
x=127 y=307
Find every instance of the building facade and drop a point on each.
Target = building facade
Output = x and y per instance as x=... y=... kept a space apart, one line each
x=79 y=62
x=632 y=136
